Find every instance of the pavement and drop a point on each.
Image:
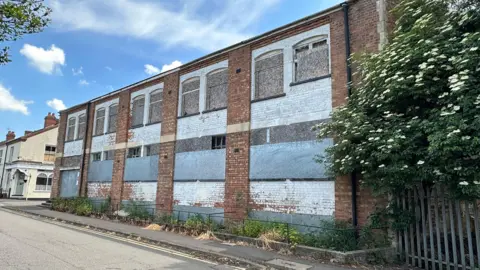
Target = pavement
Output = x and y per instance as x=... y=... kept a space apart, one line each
x=249 y=255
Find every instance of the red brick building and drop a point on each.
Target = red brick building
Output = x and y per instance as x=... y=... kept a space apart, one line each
x=228 y=132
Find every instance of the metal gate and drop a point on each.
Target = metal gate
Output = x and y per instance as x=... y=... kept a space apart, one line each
x=69 y=183
x=445 y=234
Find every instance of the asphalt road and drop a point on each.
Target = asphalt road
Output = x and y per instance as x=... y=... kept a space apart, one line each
x=27 y=243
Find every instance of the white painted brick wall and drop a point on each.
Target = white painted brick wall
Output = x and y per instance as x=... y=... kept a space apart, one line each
x=301 y=197
x=304 y=102
x=98 y=190
x=204 y=194
x=103 y=143
x=73 y=148
x=144 y=135
x=211 y=123
x=142 y=191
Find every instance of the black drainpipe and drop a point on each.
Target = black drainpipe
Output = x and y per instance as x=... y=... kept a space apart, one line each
x=3 y=169
x=353 y=176
x=84 y=149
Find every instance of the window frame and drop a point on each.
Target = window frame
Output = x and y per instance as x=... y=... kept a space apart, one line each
x=183 y=94
x=219 y=142
x=139 y=148
x=106 y=155
x=142 y=96
x=150 y=104
x=69 y=125
x=97 y=118
x=12 y=150
x=309 y=42
x=48 y=178
x=81 y=135
x=147 y=150
x=207 y=92
x=263 y=56
x=109 y=120
x=96 y=154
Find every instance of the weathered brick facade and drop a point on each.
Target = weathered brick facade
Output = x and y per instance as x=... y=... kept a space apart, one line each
x=242 y=118
x=62 y=125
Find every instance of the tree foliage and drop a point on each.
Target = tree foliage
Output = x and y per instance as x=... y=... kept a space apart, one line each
x=20 y=17
x=414 y=116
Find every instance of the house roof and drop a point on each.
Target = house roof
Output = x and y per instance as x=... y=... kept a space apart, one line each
x=31 y=134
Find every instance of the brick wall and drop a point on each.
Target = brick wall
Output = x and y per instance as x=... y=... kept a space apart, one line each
x=237 y=195
x=120 y=140
x=62 y=126
x=166 y=159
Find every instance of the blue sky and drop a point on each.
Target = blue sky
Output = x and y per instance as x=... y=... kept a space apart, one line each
x=94 y=47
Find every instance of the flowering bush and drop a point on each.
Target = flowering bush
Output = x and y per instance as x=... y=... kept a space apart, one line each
x=414 y=116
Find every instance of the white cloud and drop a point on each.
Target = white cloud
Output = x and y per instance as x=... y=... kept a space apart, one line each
x=197 y=24
x=78 y=71
x=170 y=66
x=47 y=61
x=83 y=82
x=9 y=103
x=151 y=70
x=56 y=104
x=108 y=68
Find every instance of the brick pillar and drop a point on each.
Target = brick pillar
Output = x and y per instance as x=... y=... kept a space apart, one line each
x=123 y=118
x=166 y=158
x=237 y=184
x=62 y=126
x=88 y=143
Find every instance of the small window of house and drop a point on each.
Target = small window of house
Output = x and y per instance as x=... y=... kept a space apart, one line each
x=138 y=109
x=100 y=121
x=155 y=107
x=43 y=183
x=112 y=118
x=71 y=129
x=109 y=155
x=269 y=74
x=49 y=153
x=81 y=126
x=218 y=142
x=217 y=89
x=96 y=156
x=190 y=96
x=311 y=59
x=134 y=152
x=152 y=150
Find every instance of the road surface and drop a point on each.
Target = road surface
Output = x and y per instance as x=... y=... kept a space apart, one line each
x=27 y=243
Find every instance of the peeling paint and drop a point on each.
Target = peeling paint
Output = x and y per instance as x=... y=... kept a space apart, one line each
x=205 y=194
x=98 y=190
x=140 y=191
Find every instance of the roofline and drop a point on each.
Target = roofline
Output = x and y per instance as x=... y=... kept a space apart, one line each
x=218 y=52
x=32 y=134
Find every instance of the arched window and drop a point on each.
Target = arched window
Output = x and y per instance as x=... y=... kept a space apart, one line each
x=217 y=89
x=43 y=183
x=99 y=121
x=190 y=96
x=269 y=74
x=138 y=109
x=81 y=126
x=155 y=106
x=112 y=118
x=311 y=58
x=71 y=129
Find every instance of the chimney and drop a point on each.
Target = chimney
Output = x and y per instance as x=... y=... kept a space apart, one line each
x=27 y=132
x=50 y=120
x=10 y=135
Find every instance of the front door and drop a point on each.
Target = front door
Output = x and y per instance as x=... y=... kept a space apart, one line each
x=20 y=184
x=69 y=183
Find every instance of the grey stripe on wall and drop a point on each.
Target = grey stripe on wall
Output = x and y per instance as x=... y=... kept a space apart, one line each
x=285 y=133
x=193 y=144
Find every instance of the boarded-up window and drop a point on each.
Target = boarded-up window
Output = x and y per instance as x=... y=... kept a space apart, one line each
x=138 y=109
x=109 y=155
x=311 y=59
x=81 y=126
x=100 y=121
x=155 y=108
x=112 y=118
x=190 y=97
x=217 y=88
x=152 y=150
x=269 y=75
x=71 y=129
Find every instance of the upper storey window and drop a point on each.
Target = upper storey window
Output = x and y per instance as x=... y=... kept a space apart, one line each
x=138 y=108
x=190 y=96
x=217 y=89
x=155 y=107
x=71 y=129
x=100 y=121
x=311 y=59
x=112 y=118
x=81 y=126
x=269 y=74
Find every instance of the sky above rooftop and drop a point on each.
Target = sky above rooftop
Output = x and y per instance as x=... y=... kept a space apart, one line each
x=94 y=47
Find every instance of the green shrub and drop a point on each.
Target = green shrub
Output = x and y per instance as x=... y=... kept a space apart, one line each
x=336 y=235
x=195 y=222
x=252 y=228
x=136 y=210
x=106 y=206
